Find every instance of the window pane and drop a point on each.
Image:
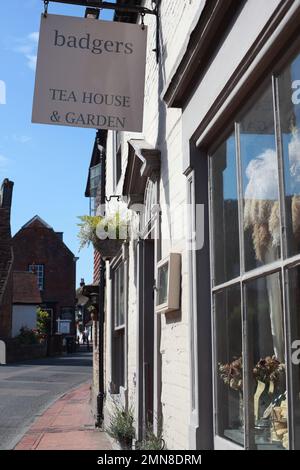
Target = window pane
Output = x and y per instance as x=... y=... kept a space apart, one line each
x=38 y=269
x=260 y=183
x=119 y=296
x=116 y=296
x=294 y=303
x=267 y=361
x=122 y=296
x=67 y=313
x=163 y=274
x=95 y=176
x=229 y=365
x=289 y=102
x=225 y=213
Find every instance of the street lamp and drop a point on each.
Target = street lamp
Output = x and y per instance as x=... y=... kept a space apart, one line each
x=94 y=297
x=94 y=300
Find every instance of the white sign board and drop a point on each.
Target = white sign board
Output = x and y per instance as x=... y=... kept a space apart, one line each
x=63 y=326
x=2 y=352
x=90 y=73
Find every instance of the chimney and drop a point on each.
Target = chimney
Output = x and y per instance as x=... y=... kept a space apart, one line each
x=60 y=235
x=6 y=194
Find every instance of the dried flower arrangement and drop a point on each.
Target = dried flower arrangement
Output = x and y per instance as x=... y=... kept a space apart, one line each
x=232 y=374
x=267 y=370
x=261 y=209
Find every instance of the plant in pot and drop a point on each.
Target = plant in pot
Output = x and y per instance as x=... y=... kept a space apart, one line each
x=121 y=426
x=106 y=233
x=151 y=441
x=93 y=312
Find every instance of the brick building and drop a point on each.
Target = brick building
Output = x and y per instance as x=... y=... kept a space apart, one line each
x=26 y=300
x=38 y=248
x=6 y=258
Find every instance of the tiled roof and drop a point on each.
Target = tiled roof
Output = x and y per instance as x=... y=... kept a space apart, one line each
x=25 y=288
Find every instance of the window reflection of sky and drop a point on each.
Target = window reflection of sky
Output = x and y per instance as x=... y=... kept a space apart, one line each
x=291 y=141
x=253 y=147
x=260 y=176
x=229 y=174
x=259 y=160
x=291 y=151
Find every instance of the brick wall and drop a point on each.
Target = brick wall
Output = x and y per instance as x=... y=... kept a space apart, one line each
x=41 y=245
x=16 y=352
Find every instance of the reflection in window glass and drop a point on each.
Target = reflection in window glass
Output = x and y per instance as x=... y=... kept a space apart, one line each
x=267 y=360
x=289 y=103
x=229 y=365
x=260 y=183
x=225 y=212
x=119 y=296
x=294 y=302
x=118 y=337
x=162 y=296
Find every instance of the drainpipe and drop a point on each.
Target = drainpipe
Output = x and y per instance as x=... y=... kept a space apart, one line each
x=101 y=135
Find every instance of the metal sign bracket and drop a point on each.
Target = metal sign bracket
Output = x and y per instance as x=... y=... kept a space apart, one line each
x=103 y=5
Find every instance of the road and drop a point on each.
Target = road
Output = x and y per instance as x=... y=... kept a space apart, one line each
x=27 y=389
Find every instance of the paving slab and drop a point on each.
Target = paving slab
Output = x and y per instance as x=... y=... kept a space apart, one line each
x=66 y=425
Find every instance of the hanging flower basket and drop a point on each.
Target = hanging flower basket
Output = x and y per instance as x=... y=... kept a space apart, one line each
x=108 y=248
x=107 y=234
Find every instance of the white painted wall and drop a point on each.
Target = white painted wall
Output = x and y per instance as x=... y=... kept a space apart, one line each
x=23 y=315
x=163 y=129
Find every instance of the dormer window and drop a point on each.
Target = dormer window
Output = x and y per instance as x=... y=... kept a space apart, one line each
x=95 y=175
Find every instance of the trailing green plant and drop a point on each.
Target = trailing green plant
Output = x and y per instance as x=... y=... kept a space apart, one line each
x=87 y=229
x=121 y=425
x=93 y=228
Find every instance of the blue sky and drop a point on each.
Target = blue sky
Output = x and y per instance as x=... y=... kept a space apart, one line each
x=48 y=164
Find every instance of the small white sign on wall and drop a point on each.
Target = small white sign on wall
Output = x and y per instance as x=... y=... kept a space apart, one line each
x=2 y=352
x=90 y=73
x=63 y=326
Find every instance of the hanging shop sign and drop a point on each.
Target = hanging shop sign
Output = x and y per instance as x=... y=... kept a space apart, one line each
x=90 y=73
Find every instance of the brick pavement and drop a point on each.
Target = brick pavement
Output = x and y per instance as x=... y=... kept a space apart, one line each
x=66 y=425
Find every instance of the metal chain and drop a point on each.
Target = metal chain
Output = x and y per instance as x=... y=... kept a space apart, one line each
x=46 y=3
x=142 y=21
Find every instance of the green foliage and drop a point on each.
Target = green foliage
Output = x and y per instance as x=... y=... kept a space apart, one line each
x=152 y=441
x=42 y=321
x=116 y=226
x=87 y=229
x=27 y=336
x=121 y=425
